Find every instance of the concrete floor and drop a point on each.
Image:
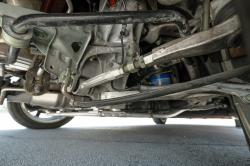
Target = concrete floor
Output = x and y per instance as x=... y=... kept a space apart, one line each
x=170 y=144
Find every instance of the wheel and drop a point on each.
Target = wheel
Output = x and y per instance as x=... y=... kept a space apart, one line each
x=34 y=119
x=160 y=120
x=237 y=123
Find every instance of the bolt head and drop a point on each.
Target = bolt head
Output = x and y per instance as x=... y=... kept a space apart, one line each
x=92 y=58
x=158 y=42
x=111 y=64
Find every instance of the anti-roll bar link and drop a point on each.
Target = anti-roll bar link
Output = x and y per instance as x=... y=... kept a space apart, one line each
x=23 y=23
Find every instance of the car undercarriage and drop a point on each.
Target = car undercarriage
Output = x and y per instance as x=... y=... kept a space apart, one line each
x=123 y=58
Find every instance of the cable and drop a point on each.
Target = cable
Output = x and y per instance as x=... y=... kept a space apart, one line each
x=122 y=33
x=124 y=5
x=122 y=61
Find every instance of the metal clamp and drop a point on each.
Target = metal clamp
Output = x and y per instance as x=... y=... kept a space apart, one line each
x=12 y=38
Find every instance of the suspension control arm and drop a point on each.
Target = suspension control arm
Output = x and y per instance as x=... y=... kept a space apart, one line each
x=169 y=89
x=197 y=44
x=201 y=43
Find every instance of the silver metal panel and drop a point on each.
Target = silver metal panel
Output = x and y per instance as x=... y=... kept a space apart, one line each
x=216 y=6
x=47 y=100
x=3 y=92
x=59 y=39
x=61 y=54
x=2 y=70
x=110 y=95
x=15 y=11
x=34 y=4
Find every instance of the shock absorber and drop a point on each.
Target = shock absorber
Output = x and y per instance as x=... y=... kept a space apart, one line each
x=10 y=59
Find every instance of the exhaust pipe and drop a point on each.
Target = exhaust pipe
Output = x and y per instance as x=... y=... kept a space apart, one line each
x=172 y=112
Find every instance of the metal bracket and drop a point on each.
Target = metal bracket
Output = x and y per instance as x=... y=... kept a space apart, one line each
x=240 y=90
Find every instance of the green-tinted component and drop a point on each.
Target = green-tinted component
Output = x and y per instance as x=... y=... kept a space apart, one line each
x=0 y=21
x=133 y=71
x=39 y=34
x=51 y=45
x=247 y=97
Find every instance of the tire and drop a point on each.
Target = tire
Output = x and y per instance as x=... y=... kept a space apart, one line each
x=246 y=135
x=160 y=120
x=244 y=12
x=237 y=123
x=21 y=117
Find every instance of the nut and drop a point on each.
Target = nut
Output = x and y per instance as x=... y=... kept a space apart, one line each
x=131 y=67
x=37 y=88
x=131 y=53
x=158 y=41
